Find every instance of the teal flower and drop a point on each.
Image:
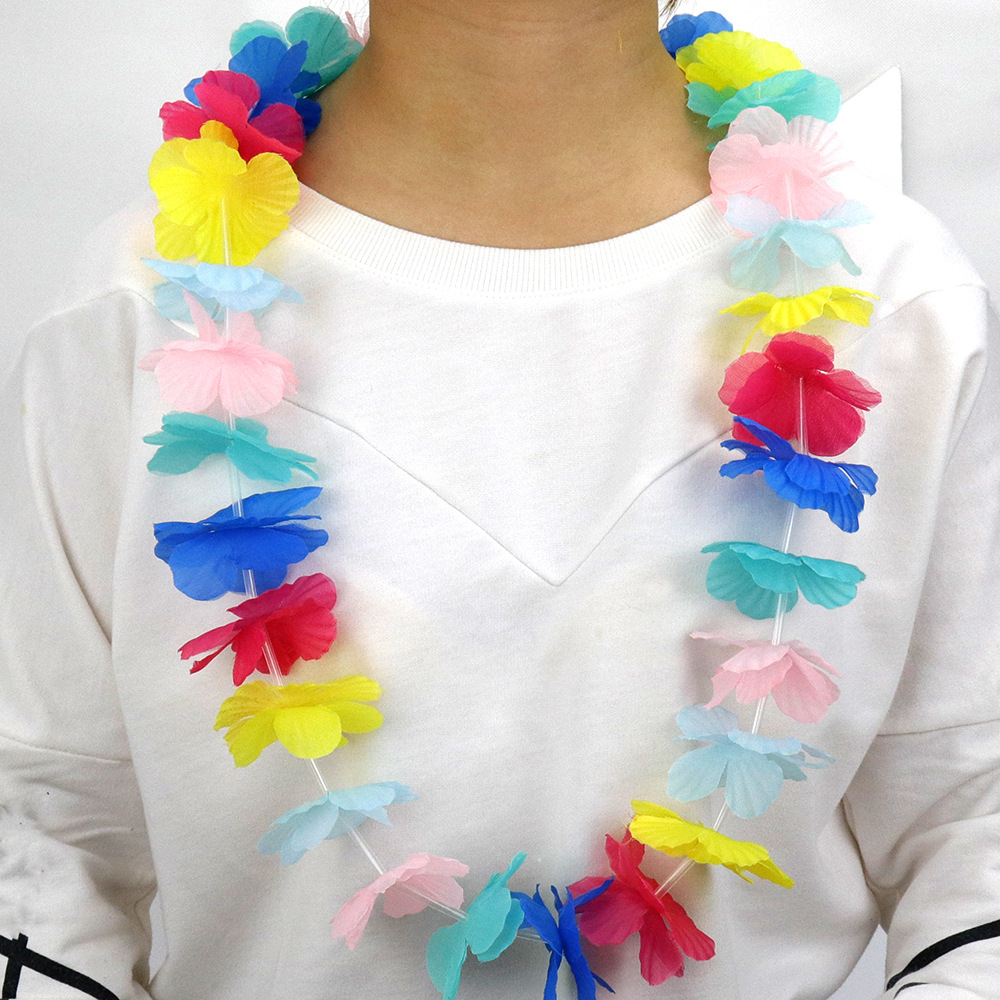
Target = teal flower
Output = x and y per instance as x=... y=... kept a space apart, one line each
x=754 y=576
x=488 y=930
x=792 y=93
x=187 y=439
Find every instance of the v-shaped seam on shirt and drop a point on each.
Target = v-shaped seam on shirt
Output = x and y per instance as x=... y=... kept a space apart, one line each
x=551 y=580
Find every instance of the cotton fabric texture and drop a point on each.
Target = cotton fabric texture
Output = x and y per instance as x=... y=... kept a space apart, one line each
x=521 y=451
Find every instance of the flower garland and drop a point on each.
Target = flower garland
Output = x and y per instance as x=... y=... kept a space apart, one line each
x=225 y=184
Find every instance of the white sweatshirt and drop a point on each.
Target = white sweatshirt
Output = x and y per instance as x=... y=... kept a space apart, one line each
x=520 y=450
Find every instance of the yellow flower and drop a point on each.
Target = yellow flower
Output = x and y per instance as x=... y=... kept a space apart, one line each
x=309 y=719
x=782 y=315
x=209 y=195
x=734 y=59
x=665 y=831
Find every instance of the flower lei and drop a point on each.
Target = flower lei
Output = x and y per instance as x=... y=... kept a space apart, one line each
x=225 y=184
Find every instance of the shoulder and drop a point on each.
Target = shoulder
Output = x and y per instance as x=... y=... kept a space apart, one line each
x=906 y=252
x=110 y=259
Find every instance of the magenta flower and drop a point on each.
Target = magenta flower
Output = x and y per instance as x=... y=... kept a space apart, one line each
x=631 y=905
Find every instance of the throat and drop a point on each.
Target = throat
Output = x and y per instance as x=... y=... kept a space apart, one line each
x=540 y=135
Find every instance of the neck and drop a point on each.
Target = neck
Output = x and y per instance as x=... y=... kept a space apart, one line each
x=522 y=123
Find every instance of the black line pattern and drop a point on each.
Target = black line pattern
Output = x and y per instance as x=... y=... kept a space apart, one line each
x=20 y=956
x=924 y=958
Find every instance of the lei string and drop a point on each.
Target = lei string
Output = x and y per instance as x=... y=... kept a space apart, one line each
x=225 y=187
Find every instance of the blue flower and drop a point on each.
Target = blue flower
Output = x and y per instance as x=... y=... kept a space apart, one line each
x=209 y=557
x=187 y=439
x=755 y=260
x=489 y=928
x=686 y=29
x=330 y=47
x=754 y=576
x=276 y=68
x=330 y=816
x=791 y=93
x=839 y=488
x=562 y=938
x=750 y=767
x=222 y=286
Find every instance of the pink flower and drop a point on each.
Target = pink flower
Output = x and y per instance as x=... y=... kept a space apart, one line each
x=765 y=387
x=784 y=164
x=630 y=905
x=230 y=98
x=296 y=617
x=431 y=876
x=354 y=32
x=790 y=672
x=247 y=378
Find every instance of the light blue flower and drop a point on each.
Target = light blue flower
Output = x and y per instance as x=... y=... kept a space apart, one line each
x=754 y=576
x=755 y=260
x=751 y=768
x=217 y=287
x=330 y=816
x=839 y=488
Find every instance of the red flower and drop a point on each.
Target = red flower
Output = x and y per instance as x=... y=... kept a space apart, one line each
x=296 y=618
x=230 y=98
x=631 y=904
x=765 y=387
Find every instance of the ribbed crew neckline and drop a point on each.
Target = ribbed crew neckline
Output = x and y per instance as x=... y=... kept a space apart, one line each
x=429 y=261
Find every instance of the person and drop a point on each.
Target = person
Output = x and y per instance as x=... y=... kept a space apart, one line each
x=508 y=359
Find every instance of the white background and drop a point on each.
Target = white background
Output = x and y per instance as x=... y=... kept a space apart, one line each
x=82 y=84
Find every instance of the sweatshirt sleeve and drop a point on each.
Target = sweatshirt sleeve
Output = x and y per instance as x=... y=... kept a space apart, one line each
x=76 y=875
x=925 y=804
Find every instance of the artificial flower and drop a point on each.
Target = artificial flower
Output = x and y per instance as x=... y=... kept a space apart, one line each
x=839 y=488
x=792 y=673
x=216 y=287
x=488 y=930
x=685 y=29
x=734 y=60
x=187 y=439
x=562 y=938
x=229 y=365
x=756 y=259
x=663 y=830
x=296 y=619
x=796 y=371
x=756 y=577
x=633 y=904
x=432 y=877
x=783 y=163
x=792 y=312
x=231 y=98
x=330 y=46
x=215 y=205
x=277 y=68
x=357 y=33
x=210 y=557
x=751 y=767
x=793 y=94
x=308 y=719
x=330 y=816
